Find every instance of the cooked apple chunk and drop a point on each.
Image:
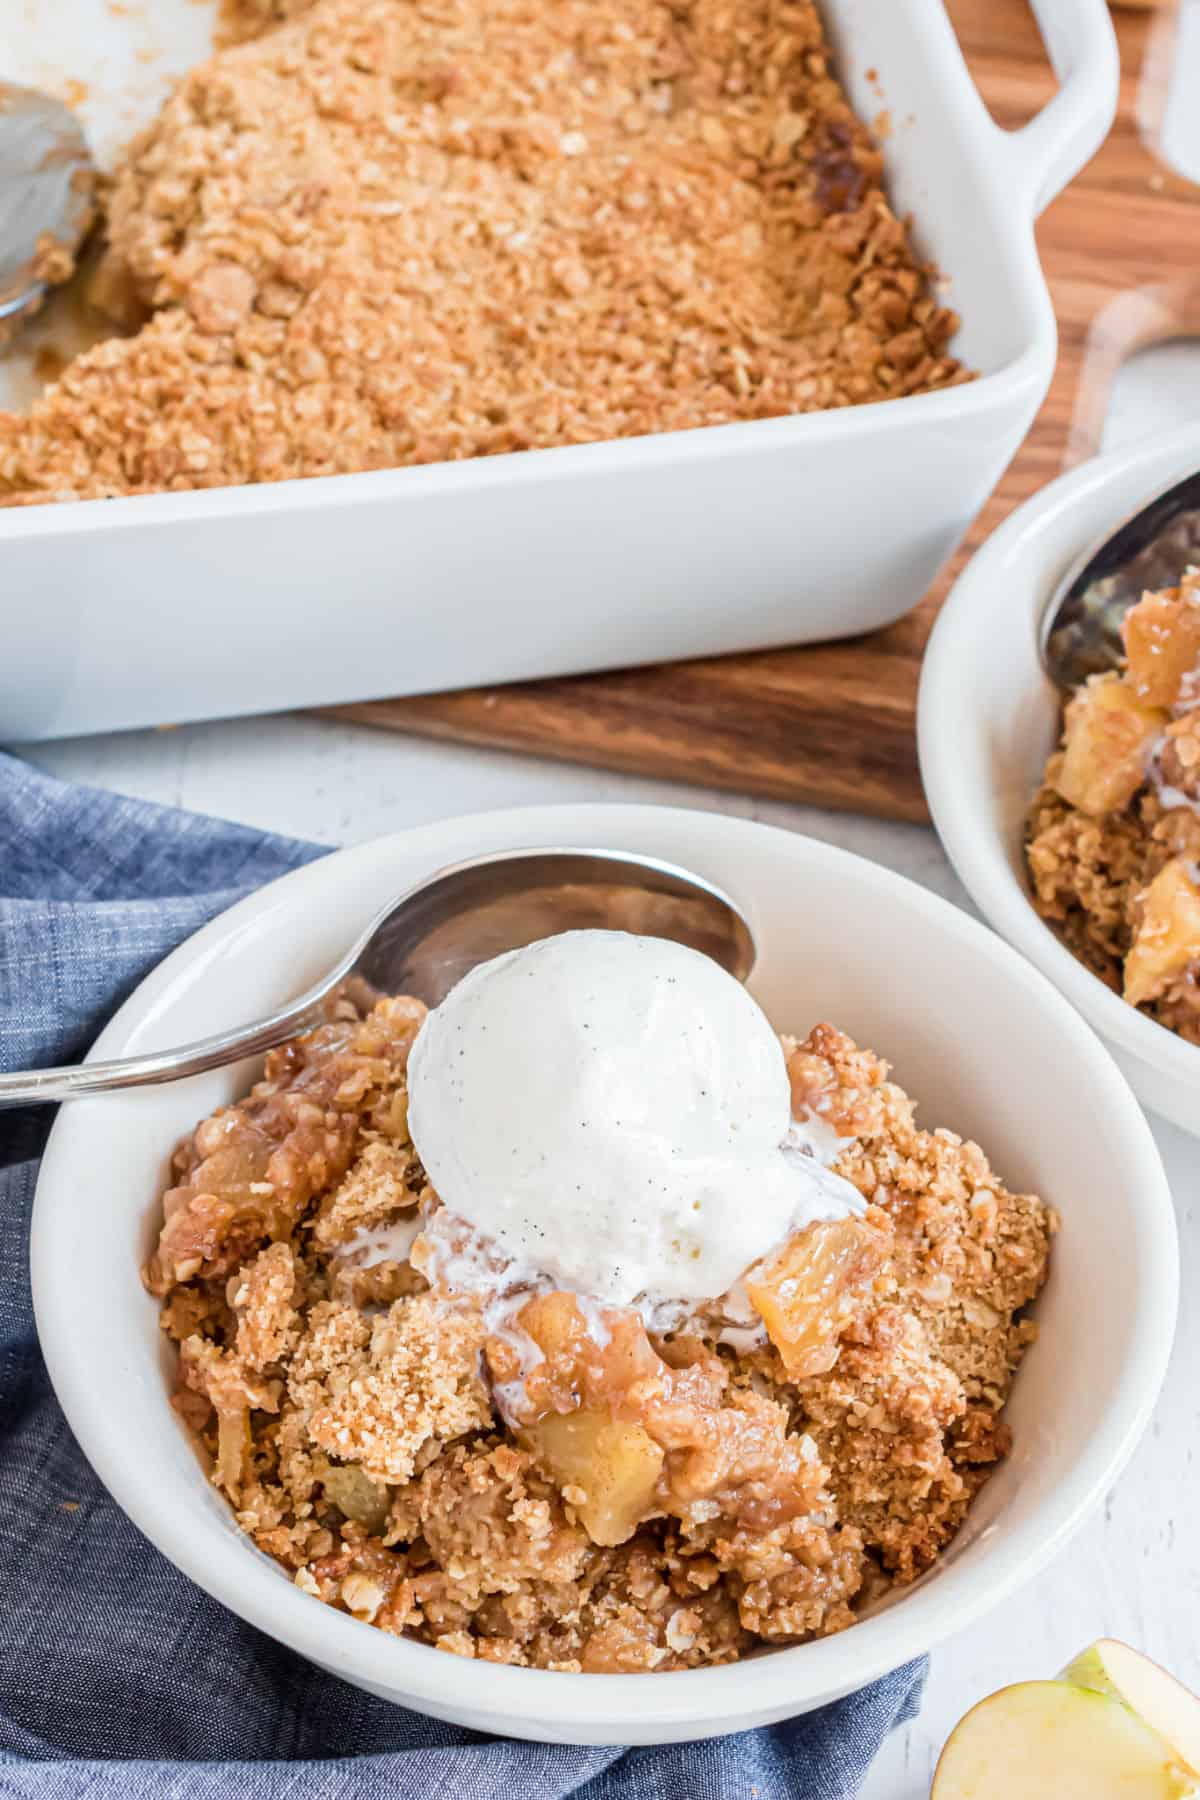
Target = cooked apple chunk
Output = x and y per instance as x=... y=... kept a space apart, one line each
x=354 y=1492
x=806 y=1290
x=1108 y=734
x=1162 y=641
x=614 y=1463
x=554 y=1322
x=1167 y=938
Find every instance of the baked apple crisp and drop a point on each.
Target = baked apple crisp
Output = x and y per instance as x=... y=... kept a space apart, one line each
x=523 y=1474
x=371 y=233
x=1114 y=833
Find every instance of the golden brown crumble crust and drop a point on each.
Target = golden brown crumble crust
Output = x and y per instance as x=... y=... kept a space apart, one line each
x=358 y=1445
x=369 y=233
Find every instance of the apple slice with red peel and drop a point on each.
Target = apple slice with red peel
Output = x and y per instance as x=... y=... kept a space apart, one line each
x=1053 y=1740
x=1160 y=1701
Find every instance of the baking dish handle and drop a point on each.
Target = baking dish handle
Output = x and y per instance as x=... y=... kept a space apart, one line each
x=1053 y=147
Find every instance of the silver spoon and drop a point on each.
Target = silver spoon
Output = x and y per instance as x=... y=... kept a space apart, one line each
x=1081 y=627
x=428 y=938
x=47 y=195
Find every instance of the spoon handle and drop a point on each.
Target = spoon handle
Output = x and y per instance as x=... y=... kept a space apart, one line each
x=33 y=1087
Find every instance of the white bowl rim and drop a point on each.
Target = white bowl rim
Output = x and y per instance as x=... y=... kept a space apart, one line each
x=788 y=1680
x=980 y=861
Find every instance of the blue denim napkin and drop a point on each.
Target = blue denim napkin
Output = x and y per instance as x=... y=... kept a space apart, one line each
x=119 y=1679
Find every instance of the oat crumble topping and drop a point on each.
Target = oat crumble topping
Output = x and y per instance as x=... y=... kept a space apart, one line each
x=665 y=1501
x=1113 y=836
x=368 y=233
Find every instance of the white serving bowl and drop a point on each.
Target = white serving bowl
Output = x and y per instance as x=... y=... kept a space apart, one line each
x=984 y=1041
x=988 y=717
x=587 y=556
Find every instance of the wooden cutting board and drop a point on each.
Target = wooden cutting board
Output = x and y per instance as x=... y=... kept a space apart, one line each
x=1121 y=250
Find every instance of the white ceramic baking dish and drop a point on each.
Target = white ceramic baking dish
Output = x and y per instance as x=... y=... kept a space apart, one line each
x=138 y=611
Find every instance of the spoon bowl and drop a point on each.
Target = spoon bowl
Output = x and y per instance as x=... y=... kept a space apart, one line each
x=434 y=933
x=47 y=196
x=1151 y=549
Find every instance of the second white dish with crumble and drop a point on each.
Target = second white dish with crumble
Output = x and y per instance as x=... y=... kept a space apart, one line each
x=990 y=720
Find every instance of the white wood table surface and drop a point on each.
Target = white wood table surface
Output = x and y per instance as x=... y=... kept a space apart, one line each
x=1134 y=1571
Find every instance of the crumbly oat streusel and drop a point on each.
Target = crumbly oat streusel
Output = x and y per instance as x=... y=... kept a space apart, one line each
x=349 y=1411
x=378 y=232
x=1114 y=832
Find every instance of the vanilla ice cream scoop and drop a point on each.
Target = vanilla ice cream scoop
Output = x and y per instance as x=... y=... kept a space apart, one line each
x=611 y=1111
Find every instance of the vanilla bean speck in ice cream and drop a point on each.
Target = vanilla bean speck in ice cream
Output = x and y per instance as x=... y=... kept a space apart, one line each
x=614 y=1112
